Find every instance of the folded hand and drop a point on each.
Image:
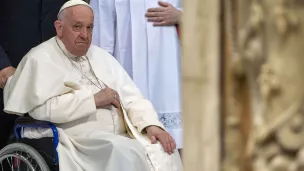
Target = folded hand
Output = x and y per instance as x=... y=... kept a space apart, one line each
x=106 y=97
x=157 y=134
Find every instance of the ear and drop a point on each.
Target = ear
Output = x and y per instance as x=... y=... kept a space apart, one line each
x=59 y=28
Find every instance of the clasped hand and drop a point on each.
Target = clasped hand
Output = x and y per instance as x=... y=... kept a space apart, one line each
x=106 y=97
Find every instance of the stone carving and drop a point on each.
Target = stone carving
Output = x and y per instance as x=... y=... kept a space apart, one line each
x=280 y=138
x=267 y=50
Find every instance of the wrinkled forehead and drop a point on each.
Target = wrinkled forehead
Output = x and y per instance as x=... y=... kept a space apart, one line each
x=80 y=13
x=81 y=10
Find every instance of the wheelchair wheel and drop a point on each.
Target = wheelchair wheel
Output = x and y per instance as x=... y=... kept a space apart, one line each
x=21 y=157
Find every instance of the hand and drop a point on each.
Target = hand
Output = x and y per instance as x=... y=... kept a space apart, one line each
x=155 y=133
x=166 y=15
x=5 y=74
x=106 y=97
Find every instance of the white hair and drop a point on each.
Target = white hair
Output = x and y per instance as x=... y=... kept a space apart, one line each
x=62 y=15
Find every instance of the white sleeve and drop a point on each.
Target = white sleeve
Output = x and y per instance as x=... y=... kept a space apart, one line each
x=65 y=108
x=140 y=110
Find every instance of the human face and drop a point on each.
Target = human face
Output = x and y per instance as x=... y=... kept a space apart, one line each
x=75 y=29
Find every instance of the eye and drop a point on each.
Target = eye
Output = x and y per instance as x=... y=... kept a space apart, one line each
x=77 y=27
x=90 y=28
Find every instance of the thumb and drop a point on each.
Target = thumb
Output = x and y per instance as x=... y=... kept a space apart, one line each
x=163 y=4
x=153 y=139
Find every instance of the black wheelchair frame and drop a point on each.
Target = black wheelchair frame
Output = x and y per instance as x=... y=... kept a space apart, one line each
x=42 y=150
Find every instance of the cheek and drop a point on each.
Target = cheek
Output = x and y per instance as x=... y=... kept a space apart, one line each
x=75 y=36
x=71 y=37
x=90 y=38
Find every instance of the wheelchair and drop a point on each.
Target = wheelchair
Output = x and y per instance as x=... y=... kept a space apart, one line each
x=24 y=154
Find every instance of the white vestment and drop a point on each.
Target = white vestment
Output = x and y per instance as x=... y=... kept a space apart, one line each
x=53 y=88
x=150 y=55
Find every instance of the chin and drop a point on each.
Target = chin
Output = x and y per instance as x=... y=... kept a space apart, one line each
x=82 y=52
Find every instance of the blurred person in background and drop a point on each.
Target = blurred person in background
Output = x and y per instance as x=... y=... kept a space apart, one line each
x=142 y=36
x=24 y=25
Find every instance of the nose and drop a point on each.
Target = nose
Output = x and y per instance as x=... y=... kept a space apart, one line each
x=84 y=33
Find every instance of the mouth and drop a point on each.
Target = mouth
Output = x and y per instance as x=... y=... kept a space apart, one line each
x=82 y=42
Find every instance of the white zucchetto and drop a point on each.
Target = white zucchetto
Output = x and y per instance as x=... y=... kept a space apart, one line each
x=71 y=3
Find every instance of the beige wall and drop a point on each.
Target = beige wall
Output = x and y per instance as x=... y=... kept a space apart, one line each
x=200 y=68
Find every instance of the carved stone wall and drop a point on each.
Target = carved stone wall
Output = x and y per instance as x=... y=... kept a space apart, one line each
x=252 y=78
x=266 y=41
x=280 y=138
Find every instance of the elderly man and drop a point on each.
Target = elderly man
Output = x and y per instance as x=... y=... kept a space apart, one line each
x=104 y=123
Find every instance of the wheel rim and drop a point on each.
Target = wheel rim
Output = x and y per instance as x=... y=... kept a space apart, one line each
x=18 y=162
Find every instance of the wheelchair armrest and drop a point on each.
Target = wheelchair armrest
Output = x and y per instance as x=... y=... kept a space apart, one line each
x=30 y=121
x=23 y=122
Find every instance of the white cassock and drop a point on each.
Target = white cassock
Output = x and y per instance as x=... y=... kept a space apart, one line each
x=53 y=88
x=150 y=55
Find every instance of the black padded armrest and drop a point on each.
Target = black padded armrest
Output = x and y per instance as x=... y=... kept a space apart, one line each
x=30 y=121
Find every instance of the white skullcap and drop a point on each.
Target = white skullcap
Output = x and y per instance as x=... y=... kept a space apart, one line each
x=71 y=3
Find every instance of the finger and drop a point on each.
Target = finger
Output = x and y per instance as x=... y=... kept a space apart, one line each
x=164 y=144
x=155 y=14
x=173 y=144
x=155 y=19
x=164 y=4
x=170 y=146
x=113 y=91
x=152 y=139
x=163 y=23
x=167 y=147
x=117 y=96
x=156 y=10
x=116 y=103
x=113 y=94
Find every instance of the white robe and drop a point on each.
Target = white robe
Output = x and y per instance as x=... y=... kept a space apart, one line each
x=48 y=87
x=150 y=55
